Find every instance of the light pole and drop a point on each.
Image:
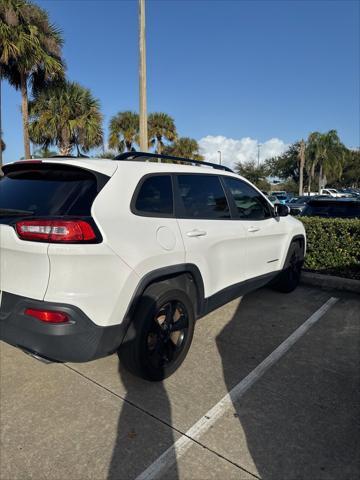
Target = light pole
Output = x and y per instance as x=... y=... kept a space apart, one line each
x=142 y=78
x=219 y=152
x=258 y=153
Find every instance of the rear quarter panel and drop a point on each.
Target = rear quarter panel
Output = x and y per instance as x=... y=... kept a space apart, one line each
x=24 y=266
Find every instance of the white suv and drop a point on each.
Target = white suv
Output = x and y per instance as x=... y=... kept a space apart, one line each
x=99 y=256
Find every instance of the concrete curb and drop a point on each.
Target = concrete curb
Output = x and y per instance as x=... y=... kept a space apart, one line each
x=330 y=282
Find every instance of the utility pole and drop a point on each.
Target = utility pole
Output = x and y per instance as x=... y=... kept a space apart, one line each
x=142 y=79
x=258 y=156
x=219 y=152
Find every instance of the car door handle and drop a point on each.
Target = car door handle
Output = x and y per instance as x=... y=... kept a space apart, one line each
x=196 y=233
x=253 y=229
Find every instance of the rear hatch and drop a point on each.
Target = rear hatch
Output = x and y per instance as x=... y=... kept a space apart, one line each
x=41 y=203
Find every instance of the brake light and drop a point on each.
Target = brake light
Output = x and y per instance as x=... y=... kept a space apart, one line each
x=53 y=231
x=48 y=316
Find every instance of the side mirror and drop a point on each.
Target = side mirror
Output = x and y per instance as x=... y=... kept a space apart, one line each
x=281 y=210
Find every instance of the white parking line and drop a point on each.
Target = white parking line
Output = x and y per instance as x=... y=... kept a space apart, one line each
x=173 y=453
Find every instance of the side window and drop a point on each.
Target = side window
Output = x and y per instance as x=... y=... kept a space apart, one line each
x=155 y=196
x=250 y=204
x=202 y=196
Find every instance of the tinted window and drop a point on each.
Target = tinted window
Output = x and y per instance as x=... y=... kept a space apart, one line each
x=203 y=197
x=250 y=204
x=340 y=210
x=155 y=196
x=49 y=190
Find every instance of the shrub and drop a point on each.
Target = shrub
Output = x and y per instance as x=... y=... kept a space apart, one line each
x=333 y=245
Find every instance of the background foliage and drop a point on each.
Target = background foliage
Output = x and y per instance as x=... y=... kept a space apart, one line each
x=333 y=245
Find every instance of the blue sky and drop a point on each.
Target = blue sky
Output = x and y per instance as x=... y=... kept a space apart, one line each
x=231 y=73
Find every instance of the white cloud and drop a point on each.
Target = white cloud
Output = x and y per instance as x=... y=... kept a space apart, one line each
x=242 y=150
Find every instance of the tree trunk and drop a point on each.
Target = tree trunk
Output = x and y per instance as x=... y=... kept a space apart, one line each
x=320 y=178
x=65 y=149
x=25 y=114
x=301 y=166
x=159 y=145
x=1 y=149
x=311 y=176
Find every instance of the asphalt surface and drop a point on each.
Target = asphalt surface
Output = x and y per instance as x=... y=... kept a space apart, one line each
x=299 y=421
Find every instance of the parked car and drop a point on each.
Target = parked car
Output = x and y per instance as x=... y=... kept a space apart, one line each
x=273 y=199
x=99 y=256
x=297 y=204
x=332 y=208
x=282 y=198
x=332 y=192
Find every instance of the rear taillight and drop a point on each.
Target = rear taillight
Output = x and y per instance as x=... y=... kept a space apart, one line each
x=48 y=316
x=54 y=231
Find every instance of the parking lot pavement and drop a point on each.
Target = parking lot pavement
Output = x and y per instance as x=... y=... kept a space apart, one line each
x=298 y=421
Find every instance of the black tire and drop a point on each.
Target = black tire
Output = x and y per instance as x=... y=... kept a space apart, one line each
x=289 y=278
x=155 y=345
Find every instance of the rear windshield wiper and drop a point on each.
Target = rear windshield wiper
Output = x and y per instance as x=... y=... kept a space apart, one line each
x=4 y=212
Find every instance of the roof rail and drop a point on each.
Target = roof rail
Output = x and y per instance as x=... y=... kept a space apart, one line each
x=69 y=156
x=144 y=156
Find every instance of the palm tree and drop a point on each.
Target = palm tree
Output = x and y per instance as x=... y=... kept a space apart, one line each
x=312 y=156
x=43 y=153
x=66 y=115
x=30 y=51
x=2 y=143
x=326 y=153
x=124 y=131
x=106 y=154
x=2 y=148
x=184 y=147
x=301 y=155
x=331 y=157
x=161 y=127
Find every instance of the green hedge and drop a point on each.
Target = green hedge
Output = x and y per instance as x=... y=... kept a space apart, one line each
x=333 y=245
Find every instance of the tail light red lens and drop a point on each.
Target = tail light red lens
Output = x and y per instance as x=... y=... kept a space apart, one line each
x=53 y=231
x=48 y=316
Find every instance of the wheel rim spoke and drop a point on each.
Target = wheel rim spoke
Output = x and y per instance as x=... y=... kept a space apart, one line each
x=179 y=324
x=167 y=334
x=169 y=313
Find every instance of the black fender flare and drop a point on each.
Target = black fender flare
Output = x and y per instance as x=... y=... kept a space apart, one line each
x=185 y=276
x=300 y=239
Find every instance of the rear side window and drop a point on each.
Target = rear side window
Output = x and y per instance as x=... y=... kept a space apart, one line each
x=49 y=190
x=250 y=204
x=202 y=196
x=155 y=197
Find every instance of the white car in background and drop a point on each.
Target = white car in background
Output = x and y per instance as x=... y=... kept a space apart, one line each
x=332 y=192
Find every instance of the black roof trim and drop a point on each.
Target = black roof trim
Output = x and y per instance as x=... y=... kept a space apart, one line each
x=331 y=200
x=137 y=156
x=70 y=156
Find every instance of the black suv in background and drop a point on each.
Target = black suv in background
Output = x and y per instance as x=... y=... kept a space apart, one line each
x=332 y=208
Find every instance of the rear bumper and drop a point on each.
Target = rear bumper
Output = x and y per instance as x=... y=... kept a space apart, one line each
x=80 y=340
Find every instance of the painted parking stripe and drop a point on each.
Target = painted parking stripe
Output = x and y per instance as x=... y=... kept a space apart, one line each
x=173 y=453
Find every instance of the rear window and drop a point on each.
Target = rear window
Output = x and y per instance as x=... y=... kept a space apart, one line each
x=338 y=210
x=49 y=190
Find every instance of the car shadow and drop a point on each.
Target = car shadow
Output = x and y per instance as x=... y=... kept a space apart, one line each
x=298 y=419
x=293 y=418
x=139 y=439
